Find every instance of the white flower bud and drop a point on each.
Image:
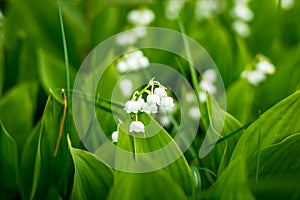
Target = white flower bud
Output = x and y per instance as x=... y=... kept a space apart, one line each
x=136 y=126
x=115 y=136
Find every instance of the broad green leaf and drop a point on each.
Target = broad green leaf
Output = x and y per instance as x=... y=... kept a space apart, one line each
x=275 y=124
x=232 y=184
x=224 y=124
x=151 y=185
x=1 y=59
x=17 y=109
x=28 y=159
x=279 y=170
x=52 y=73
x=48 y=170
x=92 y=179
x=9 y=174
x=144 y=147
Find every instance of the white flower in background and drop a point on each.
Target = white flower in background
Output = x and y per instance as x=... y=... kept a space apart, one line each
x=167 y=104
x=126 y=38
x=130 y=37
x=254 y=77
x=263 y=67
x=115 y=136
x=133 y=61
x=140 y=17
x=207 y=84
x=173 y=8
x=286 y=4
x=126 y=87
x=205 y=9
x=241 y=14
x=190 y=97
x=132 y=106
x=242 y=11
x=241 y=28
x=161 y=92
x=210 y=75
x=164 y=120
x=202 y=96
x=194 y=113
x=137 y=126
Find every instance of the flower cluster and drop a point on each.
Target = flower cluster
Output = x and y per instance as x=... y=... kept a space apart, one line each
x=132 y=61
x=241 y=14
x=156 y=100
x=206 y=9
x=139 y=19
x=263 y=67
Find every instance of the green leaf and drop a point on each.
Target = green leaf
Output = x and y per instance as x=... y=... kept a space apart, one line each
x=9 y=175
x=49 y=171
x=232 y=184
x=28 y=158
x=151 y=185
x=148 y=151
x=17 y=111
x=222 y=125
x=92 y=179
x=275 y=124
x=279 y=170
x=52 y=73
x=240 y=106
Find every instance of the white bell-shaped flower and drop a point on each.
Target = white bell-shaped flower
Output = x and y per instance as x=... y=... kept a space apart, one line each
x=132 y=106
x=137 y=126
x=210 y=75
x=126 y=87
x=141 y=17
x=254 y=77
x=115 y=136
x=208 y=86
x=265 y=67
x=243 y=12
x=167 y=103
x=149 y=108
x=194 y=113
x=161 y=92
x=241 y=28
x=153 y=99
